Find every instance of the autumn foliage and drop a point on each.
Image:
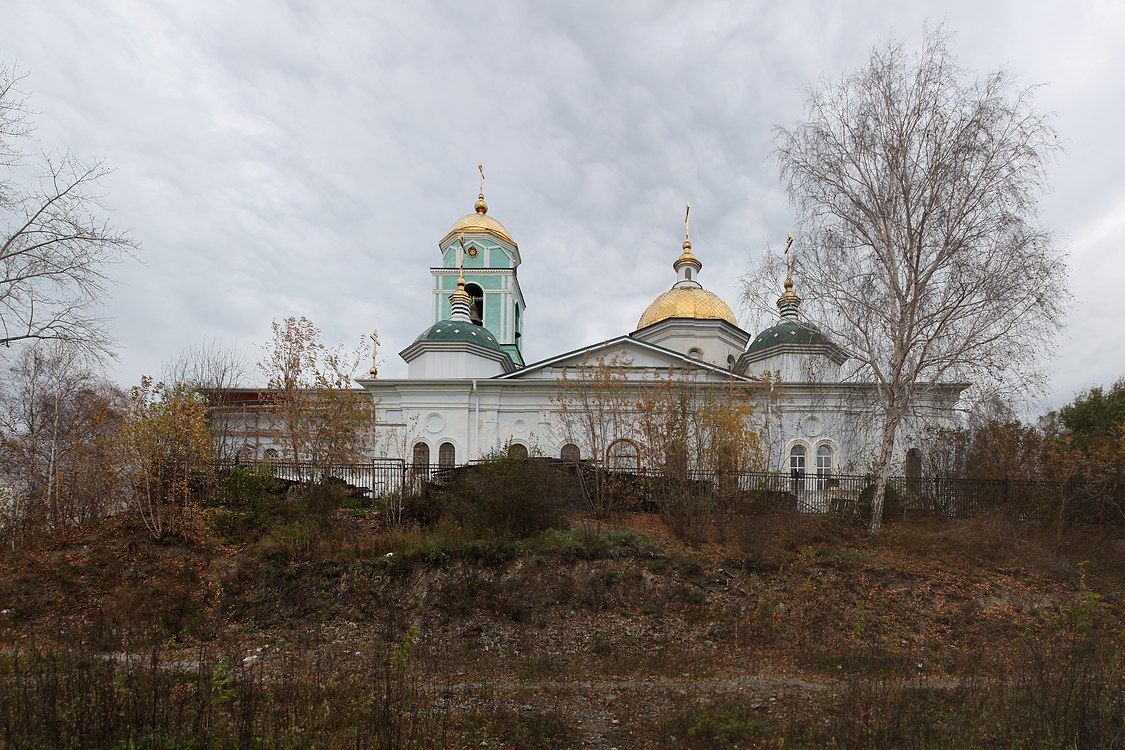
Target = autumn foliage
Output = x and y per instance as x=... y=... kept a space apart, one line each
x=167 y=459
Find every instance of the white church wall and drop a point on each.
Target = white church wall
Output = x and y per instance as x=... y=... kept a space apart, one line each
x=483 y=417
x=793 y=365
x=710 y=341
x=450 y=365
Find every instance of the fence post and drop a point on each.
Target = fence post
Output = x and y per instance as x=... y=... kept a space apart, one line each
x=1062 y=512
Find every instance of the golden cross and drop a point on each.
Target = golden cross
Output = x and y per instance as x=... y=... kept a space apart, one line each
x=687 y=226
x=461 y=256
x=480 y=168
x=789 y=257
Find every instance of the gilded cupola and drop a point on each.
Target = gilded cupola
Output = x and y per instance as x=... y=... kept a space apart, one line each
x=687 y=298
x=479 y=222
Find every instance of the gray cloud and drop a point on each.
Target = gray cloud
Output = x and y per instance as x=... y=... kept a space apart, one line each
x=279 y=159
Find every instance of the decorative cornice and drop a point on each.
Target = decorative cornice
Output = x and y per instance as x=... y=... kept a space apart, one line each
x=833 y=352
x=418 y=348
x=740 y=335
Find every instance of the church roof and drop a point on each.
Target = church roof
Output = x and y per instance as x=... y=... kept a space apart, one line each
x=578 y=357
x=453 y=330
x=788 y=332
x=479 y=222
x=687 y=302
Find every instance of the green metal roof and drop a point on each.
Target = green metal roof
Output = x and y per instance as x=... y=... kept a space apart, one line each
x=452 y=330
x=787 y=332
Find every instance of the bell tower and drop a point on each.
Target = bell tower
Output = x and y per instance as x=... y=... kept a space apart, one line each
x=491 y=259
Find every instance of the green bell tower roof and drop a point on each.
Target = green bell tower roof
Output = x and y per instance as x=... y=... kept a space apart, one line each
x=452 y=330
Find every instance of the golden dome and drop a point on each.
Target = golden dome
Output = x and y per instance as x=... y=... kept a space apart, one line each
x=687 y=302
x=479 y=222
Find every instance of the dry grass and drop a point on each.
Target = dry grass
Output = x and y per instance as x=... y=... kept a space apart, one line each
x=1024 y=620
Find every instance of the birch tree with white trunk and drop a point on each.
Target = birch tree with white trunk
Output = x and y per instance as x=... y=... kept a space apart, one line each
x=916 y=186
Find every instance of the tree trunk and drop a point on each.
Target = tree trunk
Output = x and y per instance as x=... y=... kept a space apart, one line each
x=52 y=488
x=1062 y=514
x=883 y=471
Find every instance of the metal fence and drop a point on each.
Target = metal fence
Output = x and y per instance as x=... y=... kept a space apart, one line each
x=945 y=497
x=374 y=478
x=843 y=494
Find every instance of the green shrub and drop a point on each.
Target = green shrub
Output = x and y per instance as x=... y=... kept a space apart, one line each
x=252 y=503
x=507 y=498
x=244 y=487
x=589 y=542
x=286 y=516
x=234 y=527
x=714 y=726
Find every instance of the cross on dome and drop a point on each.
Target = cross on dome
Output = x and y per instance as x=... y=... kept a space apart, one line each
x=788 y=302
x=481 y=205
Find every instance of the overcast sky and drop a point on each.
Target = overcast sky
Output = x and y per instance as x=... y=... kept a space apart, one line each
x=280 y=159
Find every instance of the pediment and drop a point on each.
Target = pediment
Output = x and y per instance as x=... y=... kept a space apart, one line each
x=644 y=358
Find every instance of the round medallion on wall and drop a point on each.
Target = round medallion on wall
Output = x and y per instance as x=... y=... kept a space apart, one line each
x=520 y=426
x=625 y=358
x=435 y=422
x=472 y=252
x=812 y=426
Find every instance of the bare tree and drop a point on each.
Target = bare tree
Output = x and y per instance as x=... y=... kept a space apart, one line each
x=55 y=239
x=684 y=423
x=917 y=190
x=595 y=408
x=215 y=371
x=59 y=421
x=676 y=422
x=319 y=414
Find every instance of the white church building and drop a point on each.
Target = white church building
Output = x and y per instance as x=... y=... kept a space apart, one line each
x=469 y=391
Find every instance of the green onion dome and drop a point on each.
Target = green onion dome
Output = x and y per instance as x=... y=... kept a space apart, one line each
x=453 y=330
x=788 y=332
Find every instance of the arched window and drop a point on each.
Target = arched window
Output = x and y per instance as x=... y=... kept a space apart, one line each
x=623 y=455
x=731 y=361
x=797 y=464
x=570 y=452
x=688 y=272
x=446 y=455
x=270 y=453
x=517 y=450
x=913 y=463
x=823 y=464
x=421 y=454
x=477 y=310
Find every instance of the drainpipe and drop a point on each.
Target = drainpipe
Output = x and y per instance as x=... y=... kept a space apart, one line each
x=475 y=432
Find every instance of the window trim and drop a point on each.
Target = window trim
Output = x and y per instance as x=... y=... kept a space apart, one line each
x=473 y=300
x=797 y=475
x=441 y=459
x=824 y=473
x=636 y=457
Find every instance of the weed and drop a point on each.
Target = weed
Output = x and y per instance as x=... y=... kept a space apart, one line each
x=528 y=730
x=714 y=726
x=691 y=569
